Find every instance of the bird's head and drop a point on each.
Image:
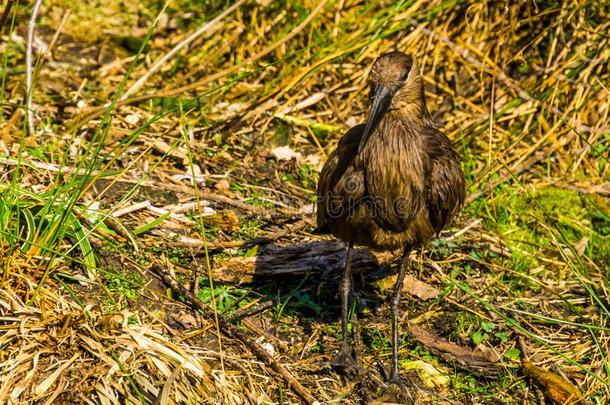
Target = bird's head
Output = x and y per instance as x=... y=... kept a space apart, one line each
x=395 y=85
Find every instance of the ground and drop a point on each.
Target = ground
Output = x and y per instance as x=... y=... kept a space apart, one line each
x=152 y=243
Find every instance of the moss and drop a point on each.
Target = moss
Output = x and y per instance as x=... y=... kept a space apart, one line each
x=540 y=222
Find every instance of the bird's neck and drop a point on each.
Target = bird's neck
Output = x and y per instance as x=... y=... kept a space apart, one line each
x=413 y=120
x=410 y=108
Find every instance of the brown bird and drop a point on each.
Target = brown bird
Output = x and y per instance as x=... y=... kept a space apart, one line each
x=393 y=182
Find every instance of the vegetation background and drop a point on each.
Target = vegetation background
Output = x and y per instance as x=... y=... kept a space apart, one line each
x=121 y=168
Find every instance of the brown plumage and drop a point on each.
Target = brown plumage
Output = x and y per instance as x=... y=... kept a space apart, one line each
x=393 y=182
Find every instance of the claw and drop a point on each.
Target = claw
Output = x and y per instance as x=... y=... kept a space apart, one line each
x=345 y=362
x=399 y=389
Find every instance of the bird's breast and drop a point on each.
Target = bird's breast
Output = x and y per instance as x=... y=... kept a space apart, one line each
x=395 y=159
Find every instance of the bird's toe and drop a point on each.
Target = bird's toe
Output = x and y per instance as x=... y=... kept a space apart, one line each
x=345 y=363
x=397 y=390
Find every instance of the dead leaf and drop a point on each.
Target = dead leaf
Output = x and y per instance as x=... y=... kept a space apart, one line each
x=419 y=289
x=186 y=319
x=558 y=389
x=223 y=157
x=228 y=221
x=412 y=286
x=132 y=119
x=11 y=131
x=313 y=159
x=306 y=209
x=431 y=376
x=222 y=185
x=581 y=246
x=285 y=153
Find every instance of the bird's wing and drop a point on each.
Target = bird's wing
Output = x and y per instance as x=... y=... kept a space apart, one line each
x=446 y=188
x=330 y=195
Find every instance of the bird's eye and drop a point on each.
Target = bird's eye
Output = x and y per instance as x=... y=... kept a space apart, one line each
x=373 y=89
x=405 y=73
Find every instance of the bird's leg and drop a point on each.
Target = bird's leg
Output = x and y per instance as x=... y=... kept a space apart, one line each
x=356 y=332
x=344 y=359
x=404 y=261
x=346 y=287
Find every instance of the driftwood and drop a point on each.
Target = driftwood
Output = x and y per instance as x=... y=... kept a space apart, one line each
x=278 y=261
x=470 y=359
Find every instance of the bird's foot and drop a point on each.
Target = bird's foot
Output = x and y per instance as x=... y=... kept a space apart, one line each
x=398 y=390
x=345 y=362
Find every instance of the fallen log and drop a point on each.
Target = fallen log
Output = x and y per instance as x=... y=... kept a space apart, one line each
x=276 y=261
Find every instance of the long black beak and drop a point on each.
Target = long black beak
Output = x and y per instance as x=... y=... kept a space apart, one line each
x=381 y=102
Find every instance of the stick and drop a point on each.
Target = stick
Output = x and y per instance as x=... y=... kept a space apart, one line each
x=233 y=331
x=470 y=359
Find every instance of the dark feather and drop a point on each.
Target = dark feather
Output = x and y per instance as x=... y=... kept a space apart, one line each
x=446 y=188
x=330 y=203
x=404 y=186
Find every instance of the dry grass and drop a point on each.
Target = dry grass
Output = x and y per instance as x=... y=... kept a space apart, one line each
x=521 y=89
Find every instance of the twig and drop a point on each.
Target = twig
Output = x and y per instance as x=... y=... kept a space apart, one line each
x=28 y=67
x=161 y=61
x=465 y=229
x=264 y=212
x=233 y=331
x=467 y=358
x=131 y=208
x=259 y=330
x=62 y=24
x=253 y=310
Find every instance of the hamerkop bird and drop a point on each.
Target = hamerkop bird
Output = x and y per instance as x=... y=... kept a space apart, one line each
x=393 y=182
